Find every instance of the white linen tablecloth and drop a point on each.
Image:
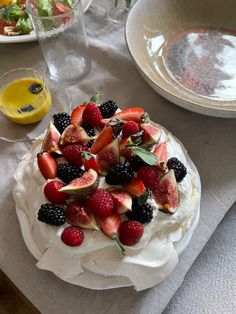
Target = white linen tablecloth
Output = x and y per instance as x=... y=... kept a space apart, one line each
x=211 y=145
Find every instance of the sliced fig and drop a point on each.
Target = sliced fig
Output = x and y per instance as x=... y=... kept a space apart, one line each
x=74 y=134
x=124 y=150
x=51 y=140
x=122 y=200
x=78 y=215
x=166 y=196
x=108 y=156
x=151 y=134
x=83 y=186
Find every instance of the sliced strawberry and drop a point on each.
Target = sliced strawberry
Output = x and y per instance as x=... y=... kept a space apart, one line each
x=47 y=165
x=104 y=138
x=151 y=133
x=130 y=114
x=59 y=8
x=77 y=114
x=52 y=193
x=135 y=187
x=89 y=161
x=125 y=151
x=110 y=225
x=103 y=122
x=161 y=152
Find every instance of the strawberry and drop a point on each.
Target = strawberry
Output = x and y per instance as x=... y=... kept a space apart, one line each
x=92 y=114
x=101 y=203
x=72 y=236
x=89 y=161
x=161 y=152
x=59 y=8
x=149 y=177
x=130 y=114
x=72 y=153
x=135 y=187
x=130 y=232
x=47 y=165
x=129 y=129
x=104 y=138
x=77 y=114
x=125 y=151
x=110 y=225
x=51 y=191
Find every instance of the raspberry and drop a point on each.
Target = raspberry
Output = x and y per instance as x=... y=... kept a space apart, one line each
x=88 y=129
x=179 y=169
x=108 y=109
x=119 y=174
x=130 y=232
x=51 y=214
x=51 y=191
x=101 y=203
x=72 y=236
x=142 y=213
x=72 y=153
x=92 y=115
x=61 y=121
x=68 y=172
x=129 y=129
x=136 y=162
x=149 y=177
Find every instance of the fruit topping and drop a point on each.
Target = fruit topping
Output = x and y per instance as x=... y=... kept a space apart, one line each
x=51 y=140
x=130 y=232
x=72 y=153
x=130 y=114
x=149 y=176
x=119 y=174
x=135 y=187
x=88 y=129
x=90 y=143
x=122 y=200
x=68 y=172
x=101 y=203
x=78 y=215
x=142 y=213
x=89 y=161
x=129 y=128
x=179 y=169
x=52 y=193
x=61 y=121
x=83 y=186
x=125 y=150
x=77 y=115
x=74 y=134
x=108 y=109
x=92 y=114
x=151 y=134
x=47 y=165
x=167 y=193
x=161 y=152
x=51 y=214
x=108 y=156
x=104 y=138
x=72 y=236
x=136 y=162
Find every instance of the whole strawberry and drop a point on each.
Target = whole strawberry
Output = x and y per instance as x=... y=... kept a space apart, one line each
x=72 y=153
x=72 y=236
x=51 y=191
x=101 y=203
x=149 y=176
x=130 y=232
x=92 y=114
x=129 y=129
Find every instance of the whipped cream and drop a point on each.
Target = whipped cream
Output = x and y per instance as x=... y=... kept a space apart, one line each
x=97 y=263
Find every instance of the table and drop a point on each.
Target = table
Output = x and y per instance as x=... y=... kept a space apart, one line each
x=210 y=142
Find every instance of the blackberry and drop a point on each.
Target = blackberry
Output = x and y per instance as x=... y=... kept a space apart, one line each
x=108 y=108
x=142 y=213
x=68 y=172
x=51 y=214
x=119 y=174
x=178 y=167
x=88 y=129
x=61 y=121
x=90 y=143
x=136 y=162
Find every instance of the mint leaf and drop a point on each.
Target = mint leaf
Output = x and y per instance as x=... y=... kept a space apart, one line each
x=96 y=97
x=147 y=156
x=144 y=197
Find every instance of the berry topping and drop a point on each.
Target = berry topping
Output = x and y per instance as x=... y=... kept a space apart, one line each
x=51 y=191
x=61 y=121
x=104 y=138
x=179 y=169
x=92 y=114
x=68 y=172
x=119 y=174
x=51 y=214
x=101 y=203
x=88 y=129
x=130 y=114
x=135 y=187
x=136 y=162
x=108 y=108
x=72 y=153
x=149 y=177
x=142 y=213
x=129 y=129
x=77 y=114
x=89 y=161
x=90 y=143
x=72 y=236
x=130 y=232
x=47 y=165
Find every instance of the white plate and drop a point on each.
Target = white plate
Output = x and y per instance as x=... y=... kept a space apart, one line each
x=32 y=37
x=186 y=51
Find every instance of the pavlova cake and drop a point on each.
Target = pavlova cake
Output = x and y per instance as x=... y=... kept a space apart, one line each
x=107 y=196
